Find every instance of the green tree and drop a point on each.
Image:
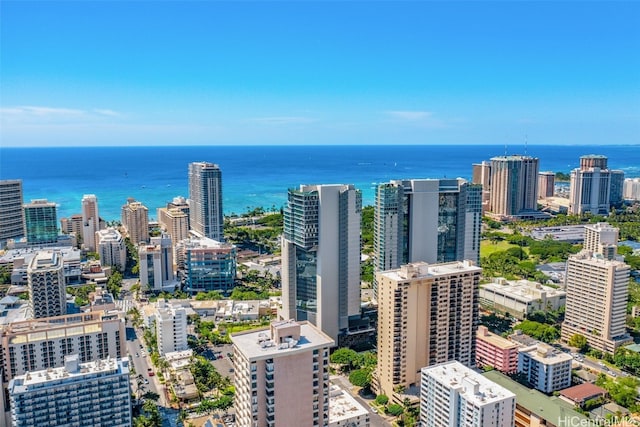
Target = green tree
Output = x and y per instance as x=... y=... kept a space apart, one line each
x=344 y=356
x=395 y=409
x=382 y=399
x=360 y=378
x=579 y=341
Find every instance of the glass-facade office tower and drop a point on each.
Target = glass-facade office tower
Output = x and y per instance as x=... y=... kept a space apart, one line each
x=41 y=222
x=321 y=256
x=11 y=212
x=205 y=200
x=430 y=220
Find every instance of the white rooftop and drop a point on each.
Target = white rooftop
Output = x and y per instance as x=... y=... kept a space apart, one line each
x=257 y=344
x=38 y=379
x=419 y=270
x=546 y=354
x=522 y=290
x=475 y=388
x=343 y=406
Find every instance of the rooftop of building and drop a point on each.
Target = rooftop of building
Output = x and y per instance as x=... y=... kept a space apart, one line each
x=420 y=270
x=263 y=344
x=494 y=339
x=552 y=409
x=69 y=254
x=37 y=329
x=592 y=258
x=196 y=242
x=512 y=157
x=343 y=406
x=476 y=388
x=546 y=354
x=523 y=290
x=581 y=392
x=73 y=370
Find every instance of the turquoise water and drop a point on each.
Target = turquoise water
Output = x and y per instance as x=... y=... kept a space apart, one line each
x=256 y=176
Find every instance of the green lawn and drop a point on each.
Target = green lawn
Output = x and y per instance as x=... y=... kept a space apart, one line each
x=487 y=247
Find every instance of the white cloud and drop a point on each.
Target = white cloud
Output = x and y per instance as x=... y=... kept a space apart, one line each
x=38 y=114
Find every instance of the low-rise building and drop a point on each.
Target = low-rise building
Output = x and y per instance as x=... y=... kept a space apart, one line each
x=545 y=368
x=344 y=410
x=453 y=395
x=579 y=394
x=535 y=409
x=495 y=351
x=520 y=297
x=78 y=394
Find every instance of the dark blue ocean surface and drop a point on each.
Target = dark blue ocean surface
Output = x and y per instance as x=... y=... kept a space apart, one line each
x=257 y=175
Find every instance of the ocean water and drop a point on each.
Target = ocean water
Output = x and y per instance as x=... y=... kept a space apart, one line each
x=257 y=175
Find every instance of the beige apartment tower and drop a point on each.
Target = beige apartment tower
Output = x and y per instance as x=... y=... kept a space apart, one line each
x=282 y=375
x=601 y=238
x=514 y=185
x=546 y=184
x=427 y=314
x=135 y=219
x=90 y=221
x=597 y=293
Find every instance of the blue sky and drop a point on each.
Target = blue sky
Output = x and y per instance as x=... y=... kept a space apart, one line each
x=311 y=72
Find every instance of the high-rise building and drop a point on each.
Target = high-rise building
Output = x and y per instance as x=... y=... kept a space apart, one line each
x=430 y=220
x=111 y=248
x=38 y=344
x=597 y=293
x=451 y=394
x=41 y=222
x=72 y=225
x=514 y=185
x=46 y=285
x=78 y=394
x=205 y=200
x=546 y=368
x=546 y=184
x=90 y=221
x=590 y=186
x=616 y=197
x=601 y=238
x=174 y=222
x=135 y=219
x=631 y=189
x=288 y=362
x=321 y=256
x=481 y=175
x=427 y=314
x=156 y=264
x=207 y=264
x=11 y=212
x=171 y=327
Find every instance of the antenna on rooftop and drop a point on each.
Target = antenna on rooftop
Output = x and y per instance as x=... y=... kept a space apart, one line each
x=505 y=149
x=525 y=144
